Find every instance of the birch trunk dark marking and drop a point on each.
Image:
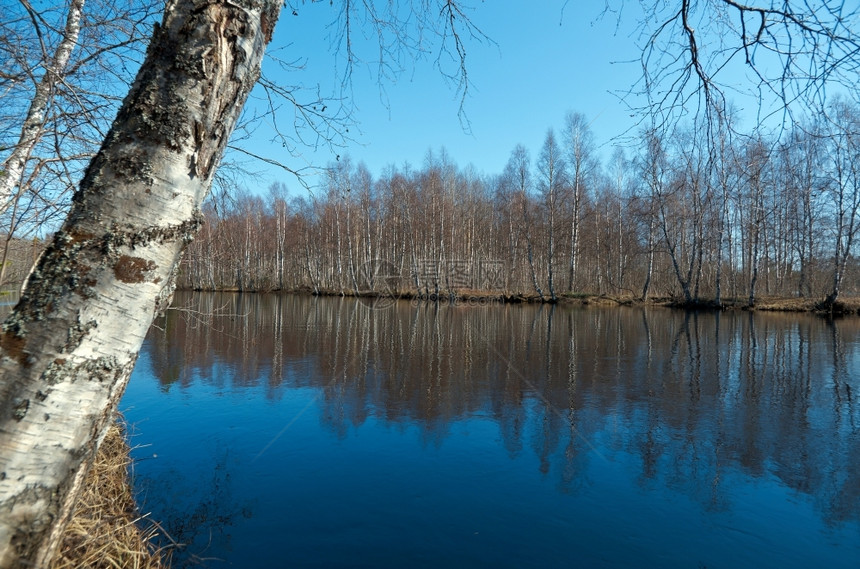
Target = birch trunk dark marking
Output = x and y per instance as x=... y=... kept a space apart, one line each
x=67 y=350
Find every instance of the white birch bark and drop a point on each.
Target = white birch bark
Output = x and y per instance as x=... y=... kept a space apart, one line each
x=12 y=170
x=67 y=350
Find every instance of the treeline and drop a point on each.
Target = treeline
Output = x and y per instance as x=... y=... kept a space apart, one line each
x=703 y=214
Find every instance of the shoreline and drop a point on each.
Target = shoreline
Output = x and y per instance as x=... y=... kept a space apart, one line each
x=845 y=306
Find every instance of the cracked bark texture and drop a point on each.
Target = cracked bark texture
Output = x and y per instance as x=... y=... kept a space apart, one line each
x=67 y=350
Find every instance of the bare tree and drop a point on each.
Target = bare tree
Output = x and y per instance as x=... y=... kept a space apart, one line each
x=622 y=246
x=518 y=175
x=793 y=53
x=33 y=125
x=654 y=166
x=844 y=192
x=799 y=160
x=724 y=182
x=752 y=203
x=680 y=194
x=581 y=163
x=550 y=174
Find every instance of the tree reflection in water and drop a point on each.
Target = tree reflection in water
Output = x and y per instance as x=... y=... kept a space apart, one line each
x=690 y=399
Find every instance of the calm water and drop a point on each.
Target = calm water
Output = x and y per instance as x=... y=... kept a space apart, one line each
x=302 y=432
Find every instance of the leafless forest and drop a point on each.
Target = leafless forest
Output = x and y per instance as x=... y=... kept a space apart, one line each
x=697 y=211
x=700 y=216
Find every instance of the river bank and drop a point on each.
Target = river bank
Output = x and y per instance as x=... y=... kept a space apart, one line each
x=843 y=307
x=106 y=530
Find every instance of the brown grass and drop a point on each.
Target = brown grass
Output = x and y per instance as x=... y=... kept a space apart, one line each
x=786 y=304
x=106 y=530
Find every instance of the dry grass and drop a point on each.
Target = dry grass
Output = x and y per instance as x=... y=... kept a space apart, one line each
x=844 y=306
x=106 y=530
x=785 y=304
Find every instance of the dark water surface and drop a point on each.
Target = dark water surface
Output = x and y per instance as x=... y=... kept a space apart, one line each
x=311 y=432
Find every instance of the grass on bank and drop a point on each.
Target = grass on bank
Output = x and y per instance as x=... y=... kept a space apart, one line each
x=845 y=306
x=106 y=530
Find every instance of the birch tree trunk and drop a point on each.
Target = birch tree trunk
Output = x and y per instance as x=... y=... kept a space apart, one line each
x=67 y=350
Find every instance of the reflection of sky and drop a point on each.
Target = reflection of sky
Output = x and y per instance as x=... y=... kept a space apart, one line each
x=347 y=456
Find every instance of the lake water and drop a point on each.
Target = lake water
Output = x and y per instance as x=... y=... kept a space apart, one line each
x=284 y=431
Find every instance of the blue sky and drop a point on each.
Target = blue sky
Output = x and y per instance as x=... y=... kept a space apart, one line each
x=547 y=59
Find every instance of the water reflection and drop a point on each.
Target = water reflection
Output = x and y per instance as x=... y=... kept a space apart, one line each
x=689 y=396
x=501 y=436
